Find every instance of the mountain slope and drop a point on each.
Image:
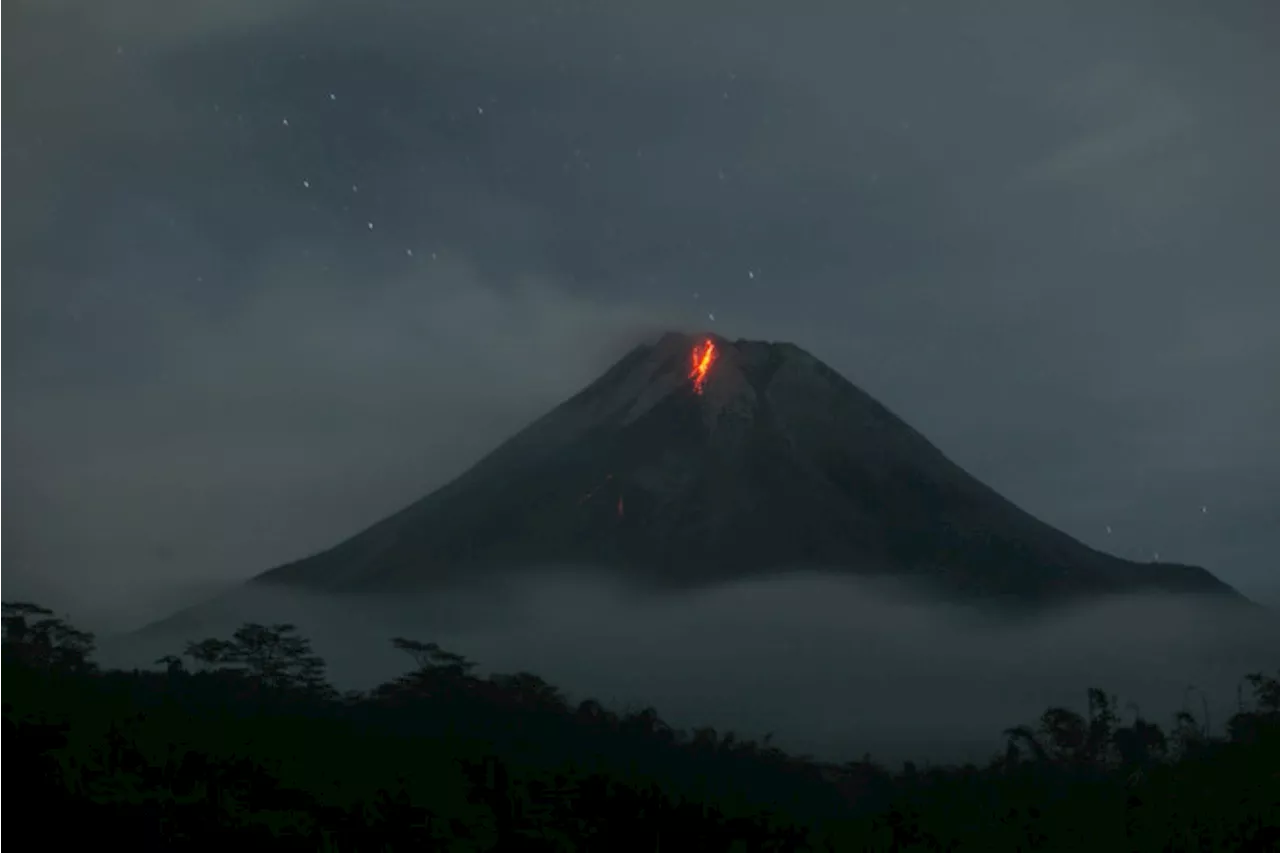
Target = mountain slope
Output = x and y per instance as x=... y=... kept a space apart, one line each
x=770 y=461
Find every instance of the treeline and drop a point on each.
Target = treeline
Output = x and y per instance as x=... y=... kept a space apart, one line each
x=242 y=739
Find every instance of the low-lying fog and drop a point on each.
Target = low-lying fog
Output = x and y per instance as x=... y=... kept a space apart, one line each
x=834 y=667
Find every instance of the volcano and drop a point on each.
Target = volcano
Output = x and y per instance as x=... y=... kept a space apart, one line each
x=697 y=460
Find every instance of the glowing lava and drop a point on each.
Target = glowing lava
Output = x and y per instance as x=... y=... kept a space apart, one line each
x=703 y=356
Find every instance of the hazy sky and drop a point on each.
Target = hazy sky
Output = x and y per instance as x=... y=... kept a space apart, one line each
x=274 y=268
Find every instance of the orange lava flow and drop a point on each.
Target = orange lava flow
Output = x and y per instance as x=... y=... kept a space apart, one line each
x=703 y=356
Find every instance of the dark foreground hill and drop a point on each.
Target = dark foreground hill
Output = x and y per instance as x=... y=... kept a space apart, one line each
x=251 y=747
x=697 y=460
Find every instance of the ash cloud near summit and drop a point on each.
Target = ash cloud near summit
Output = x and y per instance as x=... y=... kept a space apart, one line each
x=833 y=666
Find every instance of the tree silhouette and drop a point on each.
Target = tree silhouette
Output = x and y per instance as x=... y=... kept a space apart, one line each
x=1266 y=692
x=273 y=655
x=437 y=674
x=35 y=637
x=172 y=664
x=429 y=657
x=1260 y=725
x=1139 y=744
x=647 y=723
x=505 y=762
x=1065 y=737
x=527 y=690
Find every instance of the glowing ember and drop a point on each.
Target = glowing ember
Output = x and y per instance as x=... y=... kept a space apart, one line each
x=703 y=355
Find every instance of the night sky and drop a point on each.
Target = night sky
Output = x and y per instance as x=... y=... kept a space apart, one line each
x=273 y=268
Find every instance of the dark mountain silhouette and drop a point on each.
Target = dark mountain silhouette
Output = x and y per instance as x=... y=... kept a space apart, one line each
x=771 y=461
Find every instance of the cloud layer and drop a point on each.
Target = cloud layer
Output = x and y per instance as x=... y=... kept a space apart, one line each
x=833 y=667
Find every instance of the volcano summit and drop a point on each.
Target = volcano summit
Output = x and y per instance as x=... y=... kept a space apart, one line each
x=696 y=460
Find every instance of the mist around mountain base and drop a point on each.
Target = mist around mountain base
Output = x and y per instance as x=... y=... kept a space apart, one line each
x=834 y=667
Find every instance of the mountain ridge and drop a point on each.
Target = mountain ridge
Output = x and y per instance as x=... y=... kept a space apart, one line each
x=771 y=461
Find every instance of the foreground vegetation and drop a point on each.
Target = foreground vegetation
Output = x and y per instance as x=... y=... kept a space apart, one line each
x=243 y=740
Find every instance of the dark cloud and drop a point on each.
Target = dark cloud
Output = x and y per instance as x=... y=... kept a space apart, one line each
x=832 y=667
x=1041 y=234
